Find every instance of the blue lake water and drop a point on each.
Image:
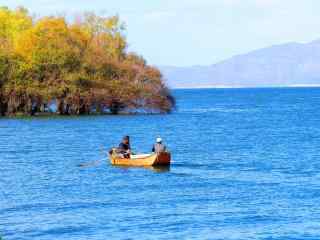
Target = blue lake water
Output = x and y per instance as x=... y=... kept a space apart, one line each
x=246 y=165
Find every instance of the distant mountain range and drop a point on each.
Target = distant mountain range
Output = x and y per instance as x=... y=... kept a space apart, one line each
x=291 y=64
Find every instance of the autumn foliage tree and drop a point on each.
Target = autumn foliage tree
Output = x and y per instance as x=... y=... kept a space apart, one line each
x=75 y=68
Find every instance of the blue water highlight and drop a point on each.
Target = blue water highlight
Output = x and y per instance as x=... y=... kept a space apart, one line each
x=246 y=165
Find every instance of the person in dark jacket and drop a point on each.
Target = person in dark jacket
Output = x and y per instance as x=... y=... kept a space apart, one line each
x=124 y=147
x=158 y=147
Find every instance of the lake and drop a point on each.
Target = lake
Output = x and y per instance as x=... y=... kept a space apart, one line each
x=246 y=165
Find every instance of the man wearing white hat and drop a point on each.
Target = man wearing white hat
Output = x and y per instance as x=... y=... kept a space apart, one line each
x=159 y=147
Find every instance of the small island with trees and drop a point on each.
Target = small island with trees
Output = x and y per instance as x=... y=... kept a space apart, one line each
x=51 y=65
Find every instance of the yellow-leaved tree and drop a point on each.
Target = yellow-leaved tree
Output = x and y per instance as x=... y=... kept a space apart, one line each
x=82 y=67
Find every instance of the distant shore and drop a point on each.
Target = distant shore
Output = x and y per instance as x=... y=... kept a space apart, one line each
x=236 y=87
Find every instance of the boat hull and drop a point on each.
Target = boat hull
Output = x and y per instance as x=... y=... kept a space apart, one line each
x=145 y=160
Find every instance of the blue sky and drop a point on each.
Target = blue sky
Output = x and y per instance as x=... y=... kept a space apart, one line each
x=197 y=32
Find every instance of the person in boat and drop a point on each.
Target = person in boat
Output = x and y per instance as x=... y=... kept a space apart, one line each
x=158 y=147
x=124 y=147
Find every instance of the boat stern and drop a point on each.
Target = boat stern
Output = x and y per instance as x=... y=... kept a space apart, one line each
x=163 y=158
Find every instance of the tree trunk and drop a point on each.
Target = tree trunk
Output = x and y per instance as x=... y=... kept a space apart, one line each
x=28 y=106
x=3 y=106
x=114 y=108
x=67 y=109
x=60 y=106
x=12 y=104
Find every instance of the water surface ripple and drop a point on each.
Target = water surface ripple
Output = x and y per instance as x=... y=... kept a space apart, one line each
x=245 y=166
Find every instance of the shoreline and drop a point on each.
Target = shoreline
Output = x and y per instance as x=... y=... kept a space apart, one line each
x=249 y=87
x=58 y=116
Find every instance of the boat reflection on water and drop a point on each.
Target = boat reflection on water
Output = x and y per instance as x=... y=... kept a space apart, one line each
x=160 y=168
x=157 y=168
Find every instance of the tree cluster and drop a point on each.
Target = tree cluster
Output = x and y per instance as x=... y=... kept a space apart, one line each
x=51 y=65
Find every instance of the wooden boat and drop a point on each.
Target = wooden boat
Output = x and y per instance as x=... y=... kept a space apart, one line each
x=157 y=168
x=141 y=160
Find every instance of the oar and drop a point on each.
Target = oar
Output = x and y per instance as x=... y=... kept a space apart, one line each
x=92 y=163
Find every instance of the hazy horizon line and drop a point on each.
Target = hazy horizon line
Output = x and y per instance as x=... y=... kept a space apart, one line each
x=249 y=87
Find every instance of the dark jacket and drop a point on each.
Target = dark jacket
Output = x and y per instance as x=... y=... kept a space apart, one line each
x=124 y=147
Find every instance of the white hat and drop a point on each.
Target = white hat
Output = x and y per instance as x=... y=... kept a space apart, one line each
x=159 y=140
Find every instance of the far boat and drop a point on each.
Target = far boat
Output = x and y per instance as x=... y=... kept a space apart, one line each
x=141 y=160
